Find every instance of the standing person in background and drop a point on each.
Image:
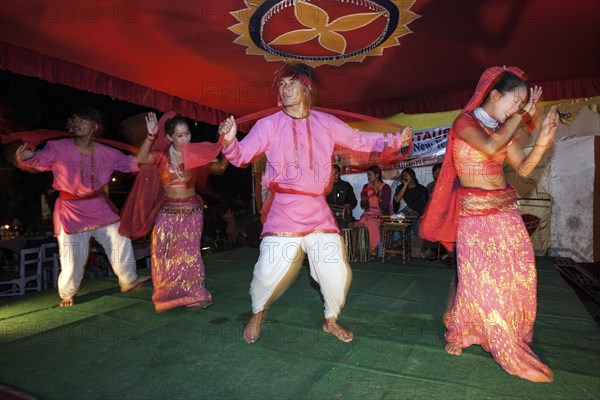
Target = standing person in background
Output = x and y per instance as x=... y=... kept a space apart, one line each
x=375 y=199
x=495 y=302
x=435 y=173
x=341 y=196
x=298 y=142
x=82 y=169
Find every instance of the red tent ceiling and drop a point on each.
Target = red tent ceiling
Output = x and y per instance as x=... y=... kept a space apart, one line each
x=188 y=55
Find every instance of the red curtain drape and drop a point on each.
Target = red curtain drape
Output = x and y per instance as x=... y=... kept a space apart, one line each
x=34 y=64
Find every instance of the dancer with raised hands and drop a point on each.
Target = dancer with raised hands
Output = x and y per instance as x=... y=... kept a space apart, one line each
x=82 y=168
x=474 y=206
x=298 y=142
x=173 y=210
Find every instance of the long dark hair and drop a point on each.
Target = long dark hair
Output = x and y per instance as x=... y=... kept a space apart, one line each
x=508 y=82
x=377 y=171
x=412 y=174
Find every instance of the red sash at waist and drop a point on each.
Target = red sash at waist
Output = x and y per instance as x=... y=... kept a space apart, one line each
x=275 y=188
x=98 y=193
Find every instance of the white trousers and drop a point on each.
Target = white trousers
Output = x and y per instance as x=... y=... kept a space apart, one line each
x=74 y=251
x=280 y=260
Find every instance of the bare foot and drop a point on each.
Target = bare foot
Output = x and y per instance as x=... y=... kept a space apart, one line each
x=331 y=326
x=67 y=302
x=136 y=284
x=253 y=327
x=454 y=349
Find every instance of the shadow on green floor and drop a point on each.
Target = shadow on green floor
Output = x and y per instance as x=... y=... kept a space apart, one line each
x=114 y=346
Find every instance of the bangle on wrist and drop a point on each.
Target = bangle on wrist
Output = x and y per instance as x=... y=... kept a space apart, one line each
x=527 y=120
x=540 y=145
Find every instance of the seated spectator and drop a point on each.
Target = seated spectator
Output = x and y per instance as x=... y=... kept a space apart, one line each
x=414 y=195
x=412 y=192
x=375 y=200
x=341 y=198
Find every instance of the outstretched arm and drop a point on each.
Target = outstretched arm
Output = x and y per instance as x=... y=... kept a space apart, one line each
x=356 y=140
x=31 y=160
x=256 y=142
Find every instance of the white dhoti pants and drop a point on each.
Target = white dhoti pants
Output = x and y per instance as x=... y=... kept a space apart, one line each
x=74 y=251
x=280 y=260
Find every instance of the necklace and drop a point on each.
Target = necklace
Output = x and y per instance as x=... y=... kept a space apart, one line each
x=485 y=118
x=308 y=138
x=175 y=157
x=81 y=168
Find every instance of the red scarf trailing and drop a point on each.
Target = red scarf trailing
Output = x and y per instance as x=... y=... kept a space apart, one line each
x=440 y=219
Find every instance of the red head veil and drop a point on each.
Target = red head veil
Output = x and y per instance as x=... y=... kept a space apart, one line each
x=146 y=196
x=440 y=218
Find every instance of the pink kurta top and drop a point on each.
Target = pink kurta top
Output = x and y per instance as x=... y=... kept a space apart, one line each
x=299 y=159
x=73 y=175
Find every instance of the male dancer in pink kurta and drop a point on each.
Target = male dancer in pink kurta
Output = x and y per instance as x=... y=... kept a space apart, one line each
x=81 y=169
x=298 y=143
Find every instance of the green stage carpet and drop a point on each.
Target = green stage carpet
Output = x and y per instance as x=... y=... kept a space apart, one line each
x=114 y=346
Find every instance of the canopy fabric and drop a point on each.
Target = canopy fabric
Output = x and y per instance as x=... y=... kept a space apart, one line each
x=197 y=57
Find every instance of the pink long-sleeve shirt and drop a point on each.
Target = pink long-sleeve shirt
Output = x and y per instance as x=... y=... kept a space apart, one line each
x=299 y=159
x=73 y=174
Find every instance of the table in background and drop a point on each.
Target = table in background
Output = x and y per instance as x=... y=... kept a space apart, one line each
x=388 y=227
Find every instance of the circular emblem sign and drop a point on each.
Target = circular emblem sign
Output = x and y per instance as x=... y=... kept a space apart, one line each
x=319 y=32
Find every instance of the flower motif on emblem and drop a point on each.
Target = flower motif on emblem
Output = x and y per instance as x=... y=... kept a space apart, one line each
x=318 y=33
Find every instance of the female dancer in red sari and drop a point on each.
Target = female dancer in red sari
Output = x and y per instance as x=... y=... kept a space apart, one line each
x=177 y=269
x=375 y=198
x=473 y=205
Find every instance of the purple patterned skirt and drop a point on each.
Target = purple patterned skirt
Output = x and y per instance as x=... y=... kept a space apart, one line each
x=177 y=267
